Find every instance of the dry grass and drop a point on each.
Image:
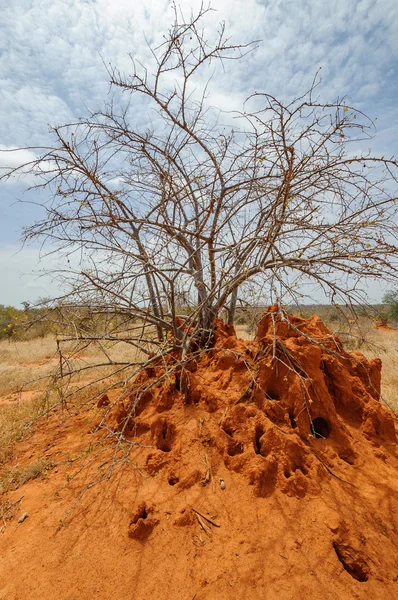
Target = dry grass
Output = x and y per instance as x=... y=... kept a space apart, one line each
x=30 y=365
x=7 y=512
x=244 y=332
x=28 y=388
x=13 y=477
x=15 y=420
x=22 y=362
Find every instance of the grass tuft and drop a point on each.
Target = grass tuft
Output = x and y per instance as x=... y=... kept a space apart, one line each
x=12 y=478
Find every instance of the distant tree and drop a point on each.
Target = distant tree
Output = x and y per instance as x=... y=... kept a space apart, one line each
x=173 y=221
x=8 y=321
x=390 y=298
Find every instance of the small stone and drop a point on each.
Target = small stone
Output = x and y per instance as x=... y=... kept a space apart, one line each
x=23 y=517
x=222 y=484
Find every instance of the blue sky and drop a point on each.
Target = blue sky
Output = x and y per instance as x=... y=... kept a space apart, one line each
x=51 y=71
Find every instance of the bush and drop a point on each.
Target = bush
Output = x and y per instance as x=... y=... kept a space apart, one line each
x=391 y=299
x=26 y=323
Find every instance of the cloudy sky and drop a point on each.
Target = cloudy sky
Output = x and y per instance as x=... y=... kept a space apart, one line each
x=52 y=72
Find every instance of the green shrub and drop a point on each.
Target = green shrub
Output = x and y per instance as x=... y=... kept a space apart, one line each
x=390 y=298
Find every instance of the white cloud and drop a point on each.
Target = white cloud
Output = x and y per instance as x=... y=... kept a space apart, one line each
x=23 y=275
x=52 y=62
x=22 y=165
x=12 y=158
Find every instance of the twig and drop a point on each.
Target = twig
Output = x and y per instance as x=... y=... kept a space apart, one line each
x=207 y=518
x=16 y=501
x=203 y=526
x=334 y=474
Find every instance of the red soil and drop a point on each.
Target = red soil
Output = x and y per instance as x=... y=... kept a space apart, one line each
x=263 y=469
x=383 y=327
x=23 y=396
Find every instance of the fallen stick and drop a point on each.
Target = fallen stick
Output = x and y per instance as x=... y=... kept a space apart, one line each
x=207 y=518
x=16 y=501
x=203 y=526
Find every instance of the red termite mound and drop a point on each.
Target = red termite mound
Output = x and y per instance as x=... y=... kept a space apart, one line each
x=275 y=409
x=263 y=469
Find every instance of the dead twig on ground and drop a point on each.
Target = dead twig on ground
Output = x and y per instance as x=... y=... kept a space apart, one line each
x=207 y=518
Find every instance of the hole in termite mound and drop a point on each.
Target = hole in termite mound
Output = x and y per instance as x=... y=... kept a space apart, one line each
x=352 y=562
x=139 y=401
x=141 y=524
x=164 y=433
x=259 y=432
x=320 y=428
x=177 y=384
x=140 y=514
x=292 y=420
x=228 y=429
x=173 y=480
x=272 y=394
x=235 y=448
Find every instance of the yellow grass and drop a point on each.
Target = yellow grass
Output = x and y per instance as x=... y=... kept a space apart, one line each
x=28 y=365
x=28 y=388
x=13 y=477
x=22 y=362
